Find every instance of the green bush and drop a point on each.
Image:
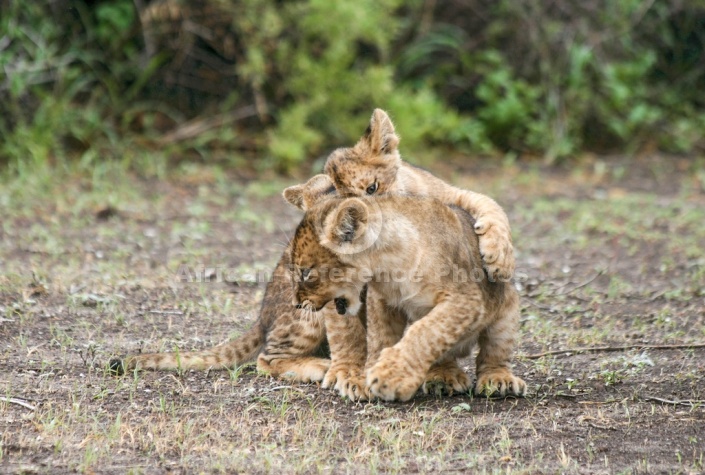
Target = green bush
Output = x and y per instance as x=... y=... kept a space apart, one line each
x=333 y=62
x=280 y=83
x=73 y=75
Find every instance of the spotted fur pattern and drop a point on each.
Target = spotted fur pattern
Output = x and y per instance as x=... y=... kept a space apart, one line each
x=287 y=342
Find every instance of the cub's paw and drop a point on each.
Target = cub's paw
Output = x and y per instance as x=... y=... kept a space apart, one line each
x=348 y=381
x=499 y=382
x=307 y=370
x=391 y=378
x=497 y=253
x=446 y=378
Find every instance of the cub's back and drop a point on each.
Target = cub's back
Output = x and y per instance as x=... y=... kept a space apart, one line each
x=450 y=229
x=444 y=231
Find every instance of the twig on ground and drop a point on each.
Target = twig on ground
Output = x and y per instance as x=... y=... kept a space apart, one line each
x=167 y=312
x=587 y=282
x=19 y=402
x=684 y=402
x=608 y=349
x=543 y=307
x=277 y=388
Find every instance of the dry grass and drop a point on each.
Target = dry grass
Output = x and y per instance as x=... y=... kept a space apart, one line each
x=89 y=265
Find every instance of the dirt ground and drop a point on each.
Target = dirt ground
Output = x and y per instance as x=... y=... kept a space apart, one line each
x=610 y=257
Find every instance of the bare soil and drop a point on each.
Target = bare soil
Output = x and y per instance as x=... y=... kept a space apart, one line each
x=610 y=256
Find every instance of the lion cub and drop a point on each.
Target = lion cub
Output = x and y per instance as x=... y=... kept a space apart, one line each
x=287 y=342
x=420 y=259
x=373 y=166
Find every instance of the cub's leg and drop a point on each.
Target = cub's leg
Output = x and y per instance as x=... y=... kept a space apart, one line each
x=348 y=352
x=385 y=326
x=492 y=228
x=290 y=346
x=494 y=374
x=445 y=376
x=401 y=369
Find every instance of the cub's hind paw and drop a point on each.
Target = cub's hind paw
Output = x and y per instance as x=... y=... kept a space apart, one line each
x=301 y=370
x=499 y=383
x=348 y=381
x=446 y=378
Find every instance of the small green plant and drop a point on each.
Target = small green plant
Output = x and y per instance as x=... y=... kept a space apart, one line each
x=610 y=377
x=278 y=407
x=236 y=372
x=462 y=407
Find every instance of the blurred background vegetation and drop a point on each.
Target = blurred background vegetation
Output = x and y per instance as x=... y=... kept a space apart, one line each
x=267 y=84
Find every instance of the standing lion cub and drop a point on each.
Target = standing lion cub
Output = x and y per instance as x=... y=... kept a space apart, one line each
x=419 y=257
x=373 y=166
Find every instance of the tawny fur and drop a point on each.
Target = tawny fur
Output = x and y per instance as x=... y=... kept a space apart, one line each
x=375 y=161
x=428 y=315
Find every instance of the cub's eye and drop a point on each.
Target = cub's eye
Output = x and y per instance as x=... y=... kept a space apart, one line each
x=372 y=188
x=305 y=273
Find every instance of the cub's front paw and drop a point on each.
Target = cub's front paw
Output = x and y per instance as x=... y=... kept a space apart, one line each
x=499 y=382
x=348 y=380
x=446 y=378
x=391 y=378
x=497 y=253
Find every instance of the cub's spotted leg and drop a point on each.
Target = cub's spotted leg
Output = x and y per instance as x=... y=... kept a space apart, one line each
x=494 y=374
x=348 y=351
x=290 y=349
x=401 y=369
x=446 y=377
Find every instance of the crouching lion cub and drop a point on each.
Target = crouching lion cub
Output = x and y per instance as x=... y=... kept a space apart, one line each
x=433 y=300
x=287 y=342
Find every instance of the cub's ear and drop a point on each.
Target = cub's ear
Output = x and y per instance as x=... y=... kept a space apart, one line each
x=307 y=195
x=295 y=195
x=316 y=189
x=380 y=134
x=349 y=221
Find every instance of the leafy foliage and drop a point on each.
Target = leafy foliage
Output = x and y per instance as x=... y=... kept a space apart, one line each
x=285 y=81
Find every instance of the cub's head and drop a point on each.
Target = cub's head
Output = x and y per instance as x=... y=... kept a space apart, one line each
x=370 y=167
x=332 y=228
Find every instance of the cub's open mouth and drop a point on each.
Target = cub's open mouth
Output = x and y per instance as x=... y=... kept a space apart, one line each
x=341 y=305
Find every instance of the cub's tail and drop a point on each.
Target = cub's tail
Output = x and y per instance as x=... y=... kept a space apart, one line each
x=228 y=355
